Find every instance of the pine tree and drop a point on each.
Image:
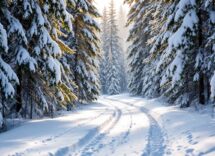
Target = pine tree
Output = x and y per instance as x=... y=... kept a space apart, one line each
x=104 y=64
x=114 y=53
x=179 y=35
x=123 y=37
x=36 y=55
x=7 y=75
x=87 y=50
x=205 y=57
x=35 y=46
x=152 y=18
x=190 y=44
x=136 y=52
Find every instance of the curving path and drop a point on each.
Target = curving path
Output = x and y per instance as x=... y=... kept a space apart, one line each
x=156 y=137
x=110 y=127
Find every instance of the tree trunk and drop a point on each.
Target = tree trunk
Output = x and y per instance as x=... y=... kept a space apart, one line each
x=200 y=44
x=201 y=89
x=207 y=89
x=31 y=112
x=3 y=106
x=19 y=91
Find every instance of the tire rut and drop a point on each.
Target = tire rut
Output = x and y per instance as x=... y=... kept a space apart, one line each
x=157 y=139
x=113 y=143
x=93 y=134
x=90 y=148
x=77 y=121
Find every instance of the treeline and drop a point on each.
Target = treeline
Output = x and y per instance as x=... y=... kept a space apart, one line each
x=112 y=68
x=173 y=50
x=49 y=53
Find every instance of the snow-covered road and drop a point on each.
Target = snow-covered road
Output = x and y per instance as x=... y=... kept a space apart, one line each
x=115 y=126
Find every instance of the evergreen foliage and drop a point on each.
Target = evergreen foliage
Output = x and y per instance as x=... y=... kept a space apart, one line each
x=112 y=67
x=170 y=53
x=87 y=50
x=37 y=70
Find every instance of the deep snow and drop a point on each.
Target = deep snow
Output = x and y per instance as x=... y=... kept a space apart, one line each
x=117 y=126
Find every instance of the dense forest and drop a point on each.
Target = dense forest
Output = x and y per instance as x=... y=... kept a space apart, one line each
x=172 y=50
x=49 y=56
x=112 y=68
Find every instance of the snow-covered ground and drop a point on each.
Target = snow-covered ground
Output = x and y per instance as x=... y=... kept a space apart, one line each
x=115 y=126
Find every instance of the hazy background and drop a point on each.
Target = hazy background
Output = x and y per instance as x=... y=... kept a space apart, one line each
x=105 y=3
x=122 y=11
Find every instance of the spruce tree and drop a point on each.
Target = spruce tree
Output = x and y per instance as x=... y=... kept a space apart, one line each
x=34 y=44
x=121 y=19
x=152 y=17
x=104 y=63
x=114 y=53
x=176 y=49
x=37 y=56
x=136 y=50
x=205 y=57
x=87 y=50
x=7 y=75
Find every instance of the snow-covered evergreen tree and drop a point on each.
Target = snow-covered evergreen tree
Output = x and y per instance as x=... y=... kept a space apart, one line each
x=123 y=34
x=112 y=69
x=115 y=53
x=176 y=49
x=183 y=58
x=7 y=75
x=152 y=16
x=136 y=50
x=6 y=72
x=104 y=63
x=37 y=56
x=205 y=57
x=86 y=60
x=35 y=46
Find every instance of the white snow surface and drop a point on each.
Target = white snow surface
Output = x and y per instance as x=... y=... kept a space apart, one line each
x=115 y=126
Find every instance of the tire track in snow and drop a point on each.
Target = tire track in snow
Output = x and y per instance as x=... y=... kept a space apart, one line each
x=157 y=139
x=76 y=121
x=115 y=142
x=89 y=149
x=96 y=145
x=96 y=133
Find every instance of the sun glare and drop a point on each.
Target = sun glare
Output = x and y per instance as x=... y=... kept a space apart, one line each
x=100 y=4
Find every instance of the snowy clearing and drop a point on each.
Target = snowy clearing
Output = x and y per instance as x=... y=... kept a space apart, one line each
x=116 y=125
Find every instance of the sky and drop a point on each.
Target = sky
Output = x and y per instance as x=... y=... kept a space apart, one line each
x=100 y=4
